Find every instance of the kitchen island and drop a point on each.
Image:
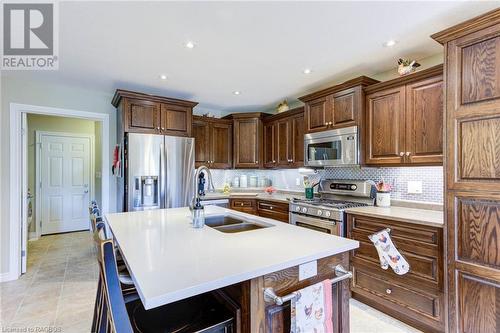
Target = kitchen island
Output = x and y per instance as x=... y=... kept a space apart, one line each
x=169 y=261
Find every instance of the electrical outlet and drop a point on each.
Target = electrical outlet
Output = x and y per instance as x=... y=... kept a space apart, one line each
x=297 y=181
x=415 y=187
x=308 y=270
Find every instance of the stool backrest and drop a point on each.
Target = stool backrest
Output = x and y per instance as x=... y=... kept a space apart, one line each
x=117 y=317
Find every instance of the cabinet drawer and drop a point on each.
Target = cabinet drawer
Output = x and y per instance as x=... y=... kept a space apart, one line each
x=242 y=203
x=424 y=269
x=273 y=206
x=407 y=232
x=412 y=299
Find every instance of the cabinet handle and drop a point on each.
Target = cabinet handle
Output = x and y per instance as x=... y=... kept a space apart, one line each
x=163 y=128
x=241 y=204
x=388 y=291
x=408 y=153
x=330 y=123
x=256 y=162
x=274 y=161
x=326 y=124
x=158 y=128
x=271 y=207
x=401 y=154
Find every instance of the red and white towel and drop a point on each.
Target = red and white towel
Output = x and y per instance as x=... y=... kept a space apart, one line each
x=388 y=253
x=312 y=309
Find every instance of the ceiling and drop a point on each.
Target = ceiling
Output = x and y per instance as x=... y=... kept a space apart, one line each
x=258 y=48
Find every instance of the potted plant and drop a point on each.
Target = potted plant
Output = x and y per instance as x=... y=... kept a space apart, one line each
x=383 y=194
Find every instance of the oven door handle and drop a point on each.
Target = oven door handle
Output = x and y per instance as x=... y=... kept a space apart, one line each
x=307 y=219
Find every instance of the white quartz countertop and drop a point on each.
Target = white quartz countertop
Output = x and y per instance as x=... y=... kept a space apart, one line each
x=434 y=218
x=169 y=260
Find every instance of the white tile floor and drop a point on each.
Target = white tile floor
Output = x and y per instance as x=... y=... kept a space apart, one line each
x=59 y=291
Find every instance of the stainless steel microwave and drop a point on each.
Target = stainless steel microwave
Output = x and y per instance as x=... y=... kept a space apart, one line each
x=337 y=147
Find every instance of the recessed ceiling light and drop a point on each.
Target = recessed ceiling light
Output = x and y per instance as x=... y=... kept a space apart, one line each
x=307 y=71
x=163 y=77
x=236 y=92
x=390 y=43
x=189 y=45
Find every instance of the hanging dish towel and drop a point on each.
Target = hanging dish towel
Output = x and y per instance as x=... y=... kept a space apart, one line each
x=388 y=253
x=312 y=309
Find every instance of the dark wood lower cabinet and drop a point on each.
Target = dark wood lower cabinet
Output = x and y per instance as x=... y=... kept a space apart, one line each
x=270 y=209
x=417 y=297
x=257 y=315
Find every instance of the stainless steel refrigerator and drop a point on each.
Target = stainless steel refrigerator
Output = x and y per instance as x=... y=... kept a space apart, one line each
x=158 y=172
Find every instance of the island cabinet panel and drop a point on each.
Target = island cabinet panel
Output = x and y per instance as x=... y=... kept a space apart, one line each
x=472 y=168
x=144 y=113
x=416 y=297
x=284 y=140
x=213 y=142
x=404 y=120
x=339 y=106
x=269 y=317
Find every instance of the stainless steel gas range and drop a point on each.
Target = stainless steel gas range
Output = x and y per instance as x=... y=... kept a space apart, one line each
x=327 y=212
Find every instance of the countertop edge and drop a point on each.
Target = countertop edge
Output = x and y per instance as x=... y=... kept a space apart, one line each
x=388 y=216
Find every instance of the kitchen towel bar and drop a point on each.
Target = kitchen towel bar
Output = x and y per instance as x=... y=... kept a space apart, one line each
x=270 y=296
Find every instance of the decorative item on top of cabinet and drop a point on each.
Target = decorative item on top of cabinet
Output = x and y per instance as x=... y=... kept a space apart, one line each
x=404 y=120
x=472 y=113
x=417 y=297
x=213 y=142
x=247 y=139
x=143 y=113
x=284 y=139
x=339 y=106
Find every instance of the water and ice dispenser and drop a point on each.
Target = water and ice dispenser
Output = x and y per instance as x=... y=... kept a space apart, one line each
x=146 y=192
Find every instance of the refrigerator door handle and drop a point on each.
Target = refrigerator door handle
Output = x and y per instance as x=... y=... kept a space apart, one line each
x=162 y=176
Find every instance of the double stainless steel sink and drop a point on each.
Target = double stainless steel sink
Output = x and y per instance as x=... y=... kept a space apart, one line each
x=230 y=224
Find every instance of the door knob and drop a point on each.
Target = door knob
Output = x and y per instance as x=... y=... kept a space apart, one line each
x=401 y=154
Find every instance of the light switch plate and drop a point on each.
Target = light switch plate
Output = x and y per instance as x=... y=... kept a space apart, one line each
x=308 y=270
x=415 y=187
x=297 y=181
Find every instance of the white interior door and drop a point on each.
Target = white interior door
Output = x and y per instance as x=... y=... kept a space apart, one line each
x=65 y=183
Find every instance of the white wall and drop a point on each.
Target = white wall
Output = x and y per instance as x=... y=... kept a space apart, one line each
x=43 y=93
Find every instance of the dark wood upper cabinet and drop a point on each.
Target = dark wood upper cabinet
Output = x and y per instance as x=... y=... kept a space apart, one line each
x=385 y=119
x=339 y=106
x=247 y=139
x=201 y=135
x=213 y=142
x=143 y=113
x=472 y=168
x=284 y=139
x=270 y=145
x=404 y=120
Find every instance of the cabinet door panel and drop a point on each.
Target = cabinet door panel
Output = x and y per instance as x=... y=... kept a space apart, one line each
x=221 y=138
x=318 y=114
x=201 y=134
x=344 y=112
x=282 y=143
x=176 y=120
x=247 y=143
x=424 y=121
x=142 y=116
x=385 y=126
x=297 y=141
x=269 y=145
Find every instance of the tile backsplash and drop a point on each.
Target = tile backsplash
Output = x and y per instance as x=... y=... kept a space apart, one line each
x=431 y=178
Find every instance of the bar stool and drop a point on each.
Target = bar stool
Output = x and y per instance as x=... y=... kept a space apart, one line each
x=202 y=313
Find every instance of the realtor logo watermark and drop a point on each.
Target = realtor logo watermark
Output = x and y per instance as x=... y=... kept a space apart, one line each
x=30 y=36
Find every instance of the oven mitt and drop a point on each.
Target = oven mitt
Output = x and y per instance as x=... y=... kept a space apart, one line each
x=388 y=254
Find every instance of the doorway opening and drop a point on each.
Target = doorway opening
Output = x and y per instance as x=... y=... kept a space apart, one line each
x=59 y=163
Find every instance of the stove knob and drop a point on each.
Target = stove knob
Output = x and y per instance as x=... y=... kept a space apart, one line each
x=353 y=187
x=297 y=208
x=327 y=214
x=304 y=210
x=319 y=212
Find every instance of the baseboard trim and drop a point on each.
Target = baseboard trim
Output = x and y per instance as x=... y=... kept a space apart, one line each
x=7 y=276
x=32 y=236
